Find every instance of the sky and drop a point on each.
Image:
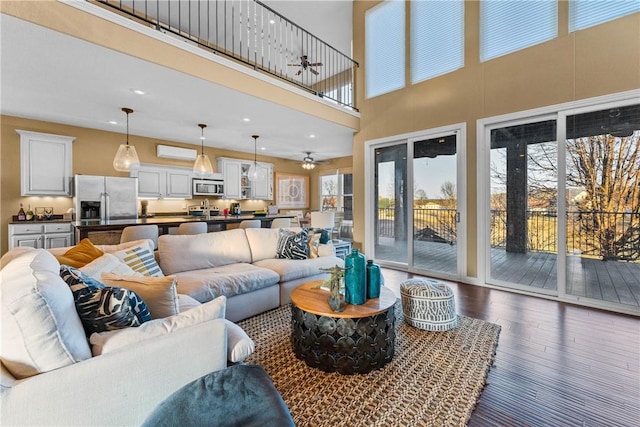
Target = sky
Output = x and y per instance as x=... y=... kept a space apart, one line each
x=429 y=175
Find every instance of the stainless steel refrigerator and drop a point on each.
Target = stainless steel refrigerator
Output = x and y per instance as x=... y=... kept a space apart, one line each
x=105 y=197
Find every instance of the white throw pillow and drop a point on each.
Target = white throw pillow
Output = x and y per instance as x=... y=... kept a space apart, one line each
x=107 y=263
x=14 y=253
x=105 y=342
x=41 y=329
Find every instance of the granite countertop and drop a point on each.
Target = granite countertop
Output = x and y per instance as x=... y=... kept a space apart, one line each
x=166 y=220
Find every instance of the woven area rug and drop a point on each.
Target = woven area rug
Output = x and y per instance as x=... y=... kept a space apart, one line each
x=434 y=379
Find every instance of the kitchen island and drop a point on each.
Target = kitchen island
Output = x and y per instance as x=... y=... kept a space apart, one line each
x=108 y=232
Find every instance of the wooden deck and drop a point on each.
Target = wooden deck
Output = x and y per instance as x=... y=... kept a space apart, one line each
x=611 y=281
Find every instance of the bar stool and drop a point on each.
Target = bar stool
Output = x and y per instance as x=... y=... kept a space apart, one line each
x=281 y=223
x=138 y=232
x=193 y=228
x=250 y=223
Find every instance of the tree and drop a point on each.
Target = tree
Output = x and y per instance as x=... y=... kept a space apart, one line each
x=607 y=168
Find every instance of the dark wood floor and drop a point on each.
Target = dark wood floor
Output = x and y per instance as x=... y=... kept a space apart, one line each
x=556 y=364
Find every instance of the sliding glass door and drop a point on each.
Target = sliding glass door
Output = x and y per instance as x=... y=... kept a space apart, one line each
x=391 y=211
x=435 y=205
x=562 y=204
x=417 y=203
x=523 y=215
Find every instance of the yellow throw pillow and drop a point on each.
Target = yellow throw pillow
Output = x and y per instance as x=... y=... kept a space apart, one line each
x=159 y=293
x=80 y=255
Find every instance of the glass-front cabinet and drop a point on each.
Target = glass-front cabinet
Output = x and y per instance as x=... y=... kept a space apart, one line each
x=237 y=184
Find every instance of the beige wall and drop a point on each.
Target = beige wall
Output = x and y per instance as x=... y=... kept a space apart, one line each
x=597 y=61
x=93 y=152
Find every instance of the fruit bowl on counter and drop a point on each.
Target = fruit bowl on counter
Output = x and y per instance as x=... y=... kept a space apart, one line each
x=260 y=213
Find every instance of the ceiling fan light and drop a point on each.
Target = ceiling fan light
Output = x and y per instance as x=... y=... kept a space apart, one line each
x=126 y=158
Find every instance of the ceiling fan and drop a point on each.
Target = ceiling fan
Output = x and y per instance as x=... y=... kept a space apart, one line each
x=306 y=65
x=309 y=163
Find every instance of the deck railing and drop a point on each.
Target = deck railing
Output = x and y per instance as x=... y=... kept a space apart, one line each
x=607 y=235
x=254 y=34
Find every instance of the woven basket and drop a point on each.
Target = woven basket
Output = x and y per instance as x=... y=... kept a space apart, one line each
x=428 y=304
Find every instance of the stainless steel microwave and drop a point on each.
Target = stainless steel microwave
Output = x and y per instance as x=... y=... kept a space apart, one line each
x=208 y=186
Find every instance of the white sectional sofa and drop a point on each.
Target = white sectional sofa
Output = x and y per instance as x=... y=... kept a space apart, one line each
x=49 y=375
x=240 y=264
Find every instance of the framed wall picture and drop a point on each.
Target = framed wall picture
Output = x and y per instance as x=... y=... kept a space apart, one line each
x=292 y=191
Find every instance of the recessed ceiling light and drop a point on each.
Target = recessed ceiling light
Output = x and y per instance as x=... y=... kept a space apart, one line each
x=271 y=21
x=112 y=122
x=263 y=148
x=246 y=120
x=138 y=91
x=312 y=136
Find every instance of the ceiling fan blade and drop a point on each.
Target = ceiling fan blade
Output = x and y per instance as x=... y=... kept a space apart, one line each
x=294 y=65
x=313 y=71
x=316 y=64
x=299 y=72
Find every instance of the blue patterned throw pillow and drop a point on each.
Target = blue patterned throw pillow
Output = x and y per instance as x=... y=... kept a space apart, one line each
x=103 y=308
x=292 y=245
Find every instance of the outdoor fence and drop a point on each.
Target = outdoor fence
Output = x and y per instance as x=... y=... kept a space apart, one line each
x=608 y=235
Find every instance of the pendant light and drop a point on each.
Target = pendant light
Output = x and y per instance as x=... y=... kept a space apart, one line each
x=252 y=174
x=202 y=167
x=126 y=158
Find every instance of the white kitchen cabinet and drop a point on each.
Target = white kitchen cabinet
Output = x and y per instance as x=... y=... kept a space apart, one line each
x=163 y=181
x=236 y=182
x=45 y=164
x=41 y=235
x=263 y=188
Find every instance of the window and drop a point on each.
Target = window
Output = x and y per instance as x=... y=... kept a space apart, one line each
x=508 y=26
x=384 y=48
x=587 y=13
x=336 y=193
x=437 y=38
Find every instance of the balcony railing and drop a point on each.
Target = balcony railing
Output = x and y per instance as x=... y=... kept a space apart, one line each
x=250 y=32
x=606 y=235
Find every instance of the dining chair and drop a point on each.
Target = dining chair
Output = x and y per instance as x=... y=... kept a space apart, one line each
x=251 y=223
x=281 y=223
x=137 y=232
x=193 y=228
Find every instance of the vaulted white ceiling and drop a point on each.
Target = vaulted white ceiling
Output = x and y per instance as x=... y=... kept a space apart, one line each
x=46 y=75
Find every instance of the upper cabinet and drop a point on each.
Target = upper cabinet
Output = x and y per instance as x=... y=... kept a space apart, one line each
x=236 y=180
x=45 y=164
x=163 y=181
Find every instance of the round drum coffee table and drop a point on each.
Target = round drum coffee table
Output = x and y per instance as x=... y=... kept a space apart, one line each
x=355 y=341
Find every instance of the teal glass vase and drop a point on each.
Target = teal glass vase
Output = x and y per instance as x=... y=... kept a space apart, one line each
x=355 y=278
x=373 y=280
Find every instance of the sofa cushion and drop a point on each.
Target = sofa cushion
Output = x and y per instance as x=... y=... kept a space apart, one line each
x=264 y=241
x=228 y=280
x=81 y=254
x=185 y=302
x=289 y=269
x=41 y=330
x=13 y=254
x=103 y=308
x=105 y=342
x=204 y=250
x=293 y=245
x=159 y=293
